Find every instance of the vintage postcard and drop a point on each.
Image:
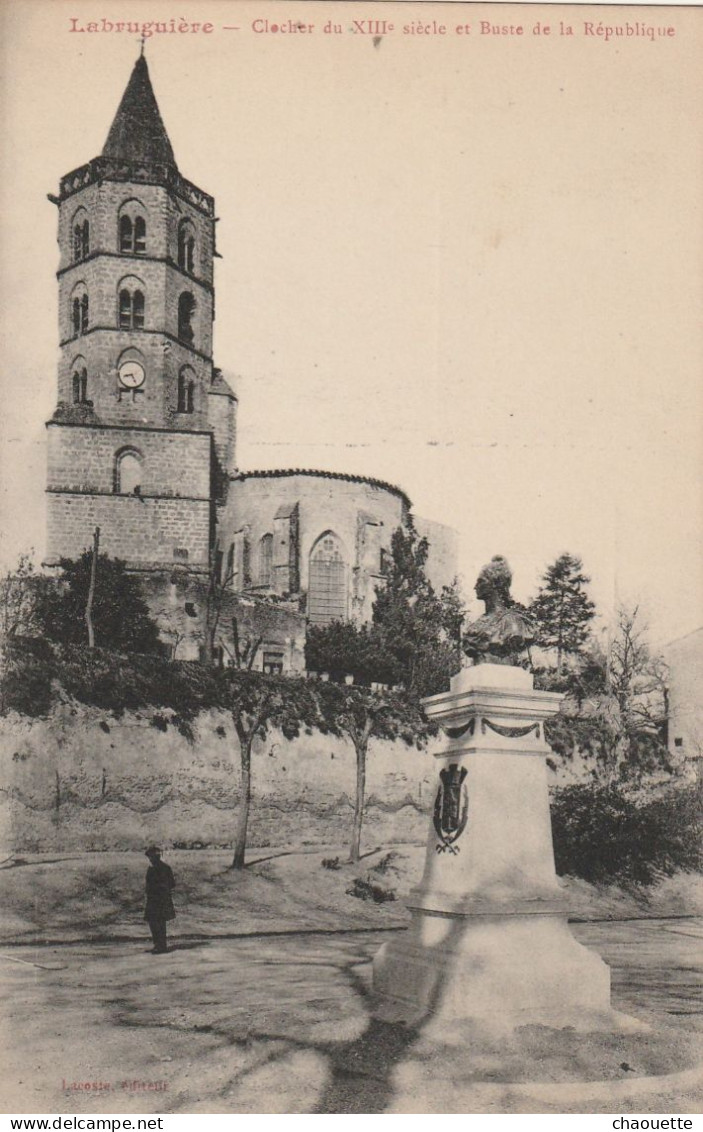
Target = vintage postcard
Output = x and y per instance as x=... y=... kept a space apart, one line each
x=350 y=606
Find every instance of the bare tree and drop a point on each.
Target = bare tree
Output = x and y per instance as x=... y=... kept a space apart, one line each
x=636 y=681
x=20 y=593
x=242 y=651
x=219 y=583
x=169 y=628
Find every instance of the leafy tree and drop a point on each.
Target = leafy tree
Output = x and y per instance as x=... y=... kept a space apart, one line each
x=562 y=609
x=257 y=702
x=417 y=628
x=453 y=615
x=605 y=833
x=362 y=715
x=343 y=648
x=120 y=614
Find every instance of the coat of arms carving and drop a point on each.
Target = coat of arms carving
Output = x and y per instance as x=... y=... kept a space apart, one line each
x=451 y=808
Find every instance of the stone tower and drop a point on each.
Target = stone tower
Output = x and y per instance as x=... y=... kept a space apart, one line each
x=142 y=440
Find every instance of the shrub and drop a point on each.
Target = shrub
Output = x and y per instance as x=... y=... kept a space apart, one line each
x=27 y=673
x=603 y=833
x=34 y=670
x=367 y=890
x=386 y=864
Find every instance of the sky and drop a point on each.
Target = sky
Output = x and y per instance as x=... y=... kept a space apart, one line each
x=470 y=264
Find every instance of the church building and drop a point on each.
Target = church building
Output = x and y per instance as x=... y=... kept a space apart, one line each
x=143 y=440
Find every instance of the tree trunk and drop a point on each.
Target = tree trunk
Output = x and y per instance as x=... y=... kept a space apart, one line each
x=91 y=589
x=211 y=619
x=240 y=837
x=360 y=746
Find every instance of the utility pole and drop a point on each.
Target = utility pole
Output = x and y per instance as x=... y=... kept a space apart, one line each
x=91 y=590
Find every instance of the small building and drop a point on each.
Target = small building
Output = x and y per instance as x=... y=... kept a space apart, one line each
x=684 y=658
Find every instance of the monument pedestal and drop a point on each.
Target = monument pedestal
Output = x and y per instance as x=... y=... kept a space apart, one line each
x=489 y=939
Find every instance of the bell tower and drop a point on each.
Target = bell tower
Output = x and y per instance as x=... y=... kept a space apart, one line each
x=132 y=444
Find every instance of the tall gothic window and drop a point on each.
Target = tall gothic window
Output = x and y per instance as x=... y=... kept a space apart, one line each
x=186 y=310
x=80 y=311
x=327 y=581
x=80 y=386
x=265 y=560
x=186 y=391
x=128 y=471
x=186 y=246
x=131 y=313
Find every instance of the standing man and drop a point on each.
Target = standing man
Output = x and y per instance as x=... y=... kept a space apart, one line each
x=159 y=905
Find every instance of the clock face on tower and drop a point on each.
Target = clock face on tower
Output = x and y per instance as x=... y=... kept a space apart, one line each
x=131 y=375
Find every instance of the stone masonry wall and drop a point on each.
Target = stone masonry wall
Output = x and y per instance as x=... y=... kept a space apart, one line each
x=140 y=532
x=163 y=211
x=442 y=557
x=82 y=780
x=362 y=515
x=685 y=659
x=173 y=463
x=178 y=601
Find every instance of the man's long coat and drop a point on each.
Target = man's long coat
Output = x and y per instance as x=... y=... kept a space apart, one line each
x=159 y=886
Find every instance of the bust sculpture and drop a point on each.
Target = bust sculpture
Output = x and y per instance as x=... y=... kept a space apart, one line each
x=505 y=630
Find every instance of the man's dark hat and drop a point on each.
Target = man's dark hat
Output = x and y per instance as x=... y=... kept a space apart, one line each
x=152 y=851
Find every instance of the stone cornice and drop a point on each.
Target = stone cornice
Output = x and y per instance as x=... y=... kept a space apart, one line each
x=127 y=330
x=281 y=473
x=133 y=258
x=111 y=169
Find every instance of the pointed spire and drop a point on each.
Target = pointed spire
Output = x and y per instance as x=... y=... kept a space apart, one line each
x=137 y=132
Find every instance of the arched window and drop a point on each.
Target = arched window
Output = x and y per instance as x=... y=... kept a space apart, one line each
x=126 y=234
x=265 y=560
x=186 y=246
x=186 y=391
x=139 y=235
x=131 y=228
x=79 y=310
x=186 y=310
x=128 y=471
x=327 y=583
x=80 y=386
x=131 y=308
x=81 y=236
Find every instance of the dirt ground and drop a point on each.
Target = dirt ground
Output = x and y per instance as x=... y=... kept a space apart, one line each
x=99 y=896
x=262 y=1005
